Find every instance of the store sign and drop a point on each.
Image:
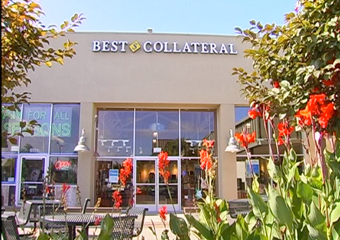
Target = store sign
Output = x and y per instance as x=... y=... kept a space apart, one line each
x=113 y=175
x=62 y=165
x=255 y=166
x=164 y=47
x=61 y=123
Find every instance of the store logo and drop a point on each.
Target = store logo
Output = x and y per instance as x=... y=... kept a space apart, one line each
x=164 y=47
x=135 y=46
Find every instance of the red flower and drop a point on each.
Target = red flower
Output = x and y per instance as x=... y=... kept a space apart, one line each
x=47 y=190
x=138 y=190
x=97 y=220
x=163 y=163
x=208 y=143
x=126 y=171
x=328 y=83
x=284 y=131
x=254 y=113
x=117 y=198
x=205 y=160
x=276 y=84
x=245 y=138
x=317 y=107
x=162 y=213
x=65 y=188
x=127 y=164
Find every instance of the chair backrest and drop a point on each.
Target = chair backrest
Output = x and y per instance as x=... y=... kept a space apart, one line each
x=139 y=222
x=9 y=228
x=24 y=213
x=87 y=200
x=123 y=227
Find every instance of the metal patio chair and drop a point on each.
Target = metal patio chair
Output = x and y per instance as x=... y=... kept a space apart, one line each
x=86 y=202
x=139 y=222
x=24 y=214
x=9 y=229
x=123 y=227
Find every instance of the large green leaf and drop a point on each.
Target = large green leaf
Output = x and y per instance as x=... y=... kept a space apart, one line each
x=260 y=208
x=304 y=191
x=206 y=232
x=179 y=226
x=316 y=223
x=106 y=228
x=280 y=209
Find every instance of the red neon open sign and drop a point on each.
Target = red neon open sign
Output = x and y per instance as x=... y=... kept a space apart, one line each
x=62 y=165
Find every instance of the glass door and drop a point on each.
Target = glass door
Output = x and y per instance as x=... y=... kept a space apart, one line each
x=33 y=169
x=146 y=183
x=152 y=192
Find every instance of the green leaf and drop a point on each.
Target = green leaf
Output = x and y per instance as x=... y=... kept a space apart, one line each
x=317 y=222
x=260 y=208
x=335 y=214
x=179 y=226
x=280 y=209
x=205 y=231
x=304 y=191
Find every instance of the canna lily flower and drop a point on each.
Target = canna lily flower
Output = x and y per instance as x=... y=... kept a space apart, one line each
x=208 y=143
x=205 y=160
x=245 y=138
x=162 y=213
x=65 y=188
x=117 y=198
x=163 y=163
x=254 y=113
x=97 y=220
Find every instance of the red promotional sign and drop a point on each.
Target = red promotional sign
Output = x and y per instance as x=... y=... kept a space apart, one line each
x=62 y=165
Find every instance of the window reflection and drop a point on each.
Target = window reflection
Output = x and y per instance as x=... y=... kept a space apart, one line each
x=196 y=126
x=157 y=131
x=37 y=143
x=115 y=132
x=8 y=169
x=65 y=128
x=11 y=124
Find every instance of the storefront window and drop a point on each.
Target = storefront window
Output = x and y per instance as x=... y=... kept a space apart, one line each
x=107 y=181
x=8 y=169
x=37 y=143
x=196 y=126
x=115 y=132
x=65 y=128
x=157 y=131
x=64 y=169
x=11 y=124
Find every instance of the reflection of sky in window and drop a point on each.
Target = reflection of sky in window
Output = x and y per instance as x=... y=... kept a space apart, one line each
x=241 y=113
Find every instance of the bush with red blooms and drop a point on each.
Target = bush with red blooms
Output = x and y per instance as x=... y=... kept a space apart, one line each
x=296 y=80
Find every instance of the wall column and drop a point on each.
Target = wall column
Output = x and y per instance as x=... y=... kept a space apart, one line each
x=86 y=160
x=227 y=167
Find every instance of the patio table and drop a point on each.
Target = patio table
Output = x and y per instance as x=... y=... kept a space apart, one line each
x=73 y=220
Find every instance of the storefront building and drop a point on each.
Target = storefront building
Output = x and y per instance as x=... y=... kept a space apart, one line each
x=135 y=95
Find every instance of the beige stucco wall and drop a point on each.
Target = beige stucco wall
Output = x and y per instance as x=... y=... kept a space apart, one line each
x=178 y=80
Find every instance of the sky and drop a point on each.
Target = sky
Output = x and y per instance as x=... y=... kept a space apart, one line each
x=211 y=17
